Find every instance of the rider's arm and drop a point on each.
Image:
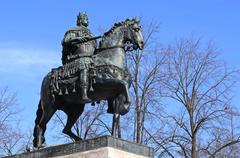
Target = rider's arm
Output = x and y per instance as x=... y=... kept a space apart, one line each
x=72 y=38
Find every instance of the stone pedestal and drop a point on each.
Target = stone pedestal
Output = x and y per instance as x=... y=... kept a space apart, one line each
x=102 y=147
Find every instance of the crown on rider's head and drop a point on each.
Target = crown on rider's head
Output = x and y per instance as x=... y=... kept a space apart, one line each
x=82 y=14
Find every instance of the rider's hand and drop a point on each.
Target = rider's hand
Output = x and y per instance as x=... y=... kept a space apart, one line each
x=84 y=39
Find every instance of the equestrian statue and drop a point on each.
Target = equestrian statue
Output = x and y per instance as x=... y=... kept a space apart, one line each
x=92 y=71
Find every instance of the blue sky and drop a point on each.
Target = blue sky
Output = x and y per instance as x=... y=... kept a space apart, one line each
x=31 y=34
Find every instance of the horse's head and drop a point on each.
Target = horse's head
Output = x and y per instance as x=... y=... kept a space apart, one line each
x=133 y=34
x=128 y=31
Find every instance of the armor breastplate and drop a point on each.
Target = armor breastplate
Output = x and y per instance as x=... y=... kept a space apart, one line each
x=85 y=49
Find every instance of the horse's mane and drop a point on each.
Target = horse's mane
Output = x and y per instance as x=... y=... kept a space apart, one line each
x=116 y=25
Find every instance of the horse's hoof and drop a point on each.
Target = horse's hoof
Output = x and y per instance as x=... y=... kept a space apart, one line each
x=35 y=143
x=38 y=147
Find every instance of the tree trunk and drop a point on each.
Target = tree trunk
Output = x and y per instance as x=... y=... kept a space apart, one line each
x=194 y=146
x=138 y=125
x=137 y=131
x=194 y=140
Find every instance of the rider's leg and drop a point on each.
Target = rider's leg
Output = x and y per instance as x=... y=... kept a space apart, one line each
x=85 y=85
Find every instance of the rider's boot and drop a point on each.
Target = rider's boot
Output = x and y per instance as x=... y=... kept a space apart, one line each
x=84 y=94
x=85 y=86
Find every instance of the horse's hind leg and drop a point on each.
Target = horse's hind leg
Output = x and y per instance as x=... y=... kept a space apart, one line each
x=73 y=114
x=48 y=112
x=37 y=120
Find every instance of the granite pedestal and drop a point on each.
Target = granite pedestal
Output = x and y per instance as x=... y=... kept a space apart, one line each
x=101 y=147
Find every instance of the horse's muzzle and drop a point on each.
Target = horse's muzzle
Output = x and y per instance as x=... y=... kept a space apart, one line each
x=141 y=45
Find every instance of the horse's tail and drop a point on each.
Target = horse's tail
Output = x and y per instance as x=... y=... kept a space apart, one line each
x=37 y=120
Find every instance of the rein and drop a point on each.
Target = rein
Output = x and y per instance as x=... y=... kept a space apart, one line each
x=102 y=49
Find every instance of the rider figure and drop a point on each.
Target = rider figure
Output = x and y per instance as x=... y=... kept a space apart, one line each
x=78 y=44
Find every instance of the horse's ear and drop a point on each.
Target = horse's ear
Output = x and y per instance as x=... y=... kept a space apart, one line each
x=136 y=19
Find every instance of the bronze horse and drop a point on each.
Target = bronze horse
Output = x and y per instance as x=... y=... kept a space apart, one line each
x=112 y=82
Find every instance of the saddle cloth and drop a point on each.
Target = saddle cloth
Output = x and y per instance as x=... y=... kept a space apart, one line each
x=64 y=78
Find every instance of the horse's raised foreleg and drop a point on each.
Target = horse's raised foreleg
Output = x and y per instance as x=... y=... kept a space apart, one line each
x=73 y=115
x=124 y=98
x=126 y=91
x=123 y=85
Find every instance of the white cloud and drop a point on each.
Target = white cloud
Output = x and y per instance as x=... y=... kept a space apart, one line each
x=27 y=61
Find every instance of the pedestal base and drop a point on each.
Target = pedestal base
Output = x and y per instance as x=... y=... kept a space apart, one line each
x=105 y=152
x=102 y=147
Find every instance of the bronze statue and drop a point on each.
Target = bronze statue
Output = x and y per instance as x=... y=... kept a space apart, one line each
x=89 y=74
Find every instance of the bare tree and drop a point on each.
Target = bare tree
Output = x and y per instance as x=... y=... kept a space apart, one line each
x=145 y=69
x=199 y=85
x=11 y=139
x=223 y=140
